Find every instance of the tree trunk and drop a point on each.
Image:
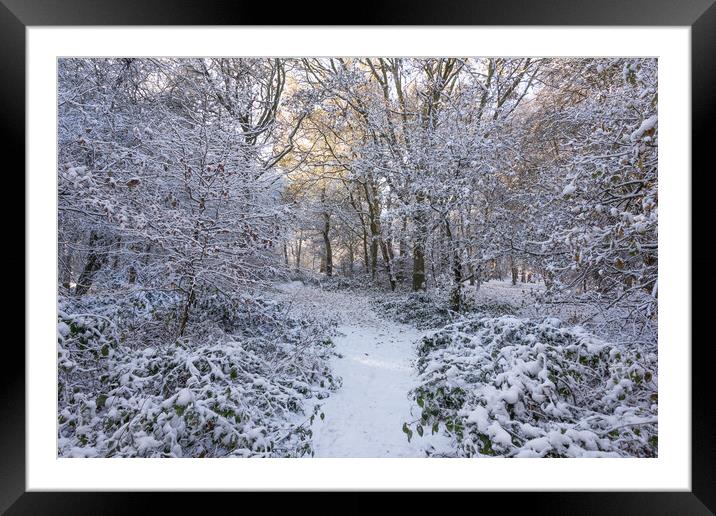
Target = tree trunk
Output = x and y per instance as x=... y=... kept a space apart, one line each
x=456 y=292
x=92 y=265
x=191 y=296
x=66 y=268
x=374 y=240
x=373 y=255
x=419 y=266
x=388 y=264
x=513 y=270
x=402 y=253
x=298 y=251
x=419 y=248
x=376 y=232
x=327 y=244
x=366 y=263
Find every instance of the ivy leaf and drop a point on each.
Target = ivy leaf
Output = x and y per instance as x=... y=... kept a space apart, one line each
x=407 y=431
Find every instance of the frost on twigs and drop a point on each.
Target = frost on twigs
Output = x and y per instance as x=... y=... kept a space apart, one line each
x=210 y=394
x=517 y=388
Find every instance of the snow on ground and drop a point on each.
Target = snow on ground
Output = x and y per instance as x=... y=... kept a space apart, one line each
x=364 y=418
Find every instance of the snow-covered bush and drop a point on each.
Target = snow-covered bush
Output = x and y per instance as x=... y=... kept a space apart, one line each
x=343 y=283
x=431 y=309
x=137 y=316
x=210 y=394
x=425 y=310
x=495 y=308
x=519 y=388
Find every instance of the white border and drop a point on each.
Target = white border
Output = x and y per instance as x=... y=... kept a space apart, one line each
x=671 y=470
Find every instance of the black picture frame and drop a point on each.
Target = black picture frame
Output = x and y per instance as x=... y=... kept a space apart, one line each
x=700 y=15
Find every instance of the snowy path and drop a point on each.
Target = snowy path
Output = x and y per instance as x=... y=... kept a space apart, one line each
x=364 y=418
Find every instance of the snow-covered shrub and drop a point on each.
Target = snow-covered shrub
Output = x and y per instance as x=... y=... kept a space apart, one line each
x=210 y=394
x=518 y=388
x=343 y=283
x=495 y=309
x=421 y=309
x=239 y=313
x=138 y=316
x=430 y=310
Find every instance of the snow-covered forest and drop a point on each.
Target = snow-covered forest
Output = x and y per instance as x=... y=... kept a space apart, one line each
x=357 y=257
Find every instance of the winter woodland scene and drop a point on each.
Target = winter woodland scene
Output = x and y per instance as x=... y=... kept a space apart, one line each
x=357 y=257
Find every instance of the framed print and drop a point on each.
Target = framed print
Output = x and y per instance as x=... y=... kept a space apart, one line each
x=376 y=257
